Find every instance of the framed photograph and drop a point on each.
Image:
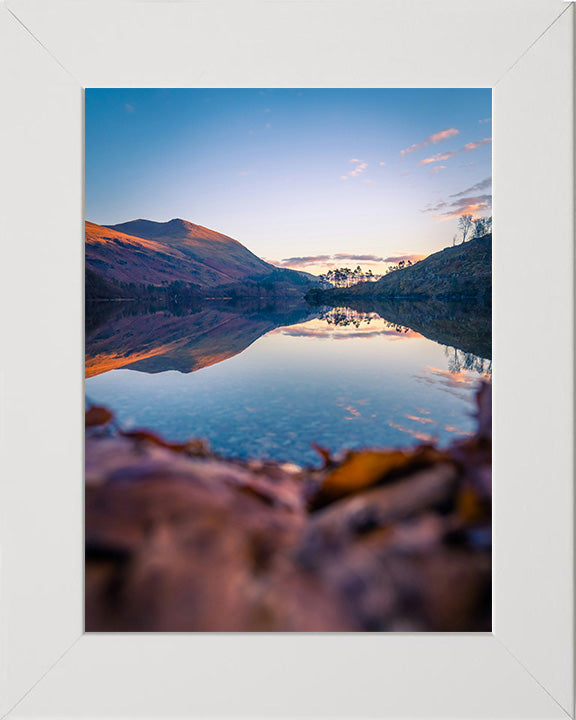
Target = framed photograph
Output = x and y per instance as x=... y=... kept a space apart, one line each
x=102 y=90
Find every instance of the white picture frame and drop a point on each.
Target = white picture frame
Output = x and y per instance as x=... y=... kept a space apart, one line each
x=50 y=50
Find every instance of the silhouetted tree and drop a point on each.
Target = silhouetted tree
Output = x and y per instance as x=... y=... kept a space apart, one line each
x=465 y=224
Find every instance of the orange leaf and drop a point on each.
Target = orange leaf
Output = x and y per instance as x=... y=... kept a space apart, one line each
x=361 y=470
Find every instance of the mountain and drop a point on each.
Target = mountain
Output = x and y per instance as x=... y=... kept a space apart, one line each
x=147 y=253
x=218 y=259
x=119 y=257
x=463 y=272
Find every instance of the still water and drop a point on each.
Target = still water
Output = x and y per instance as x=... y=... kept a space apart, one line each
x=265 y=384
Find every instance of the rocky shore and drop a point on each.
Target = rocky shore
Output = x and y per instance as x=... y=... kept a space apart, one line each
x=179 y=539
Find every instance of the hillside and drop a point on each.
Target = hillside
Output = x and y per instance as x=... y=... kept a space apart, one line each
x=147 y=253
x=456 y=273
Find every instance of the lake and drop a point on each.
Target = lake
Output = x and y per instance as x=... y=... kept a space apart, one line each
x=266 y=382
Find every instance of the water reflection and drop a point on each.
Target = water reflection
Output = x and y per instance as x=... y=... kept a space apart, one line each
x=154 y=340
x=346 y=316
x=266 y=381
x=458 y=360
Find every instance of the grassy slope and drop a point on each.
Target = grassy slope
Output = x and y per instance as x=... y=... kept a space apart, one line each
x=152 y=253
x=464 y=271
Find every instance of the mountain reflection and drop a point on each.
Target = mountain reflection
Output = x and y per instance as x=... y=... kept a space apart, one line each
x=153 y=340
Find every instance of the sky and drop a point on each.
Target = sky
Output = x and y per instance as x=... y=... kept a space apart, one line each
x=305 y=178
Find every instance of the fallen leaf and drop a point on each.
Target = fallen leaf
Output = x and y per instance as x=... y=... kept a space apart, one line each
x=97 y=415
x=359 y=470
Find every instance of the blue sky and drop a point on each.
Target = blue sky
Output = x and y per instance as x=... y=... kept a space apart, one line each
x=298 y=176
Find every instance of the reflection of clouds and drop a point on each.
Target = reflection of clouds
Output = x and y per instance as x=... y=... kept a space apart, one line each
x=421 y=420
x=457 y=431
x=354 y=414
x=345 y=333
x=456 y=392
x=417 y=434
x=458 y=377
x=454 y=379
x=456 y=383
x=344 y=324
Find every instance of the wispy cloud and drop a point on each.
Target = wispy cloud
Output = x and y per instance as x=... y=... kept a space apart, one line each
x=358 y=170
x=359 y=167
x=357 y=258
x=443 y=135
x=436 y=207
x=341 y=258
x=471 y=201
x=438 y=158
x=477 y=144
x=467 y=206
x=302 y=261
x=485 y=120
x=473 y=205
x=398 y=258
x=437 y=168
x=431 y=139
x=446 y=156
x=482 y=185
x=129 y=108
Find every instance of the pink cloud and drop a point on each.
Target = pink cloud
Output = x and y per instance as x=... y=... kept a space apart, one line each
x=438 y=157
x=451 y=153
x=412 y=148
x=466 y=202
x=468 y=206
x=477 y=144
x=443 y=135
x=358 y=170
x=434 y=139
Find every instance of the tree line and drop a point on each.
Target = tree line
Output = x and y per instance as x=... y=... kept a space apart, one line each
x=345 y=277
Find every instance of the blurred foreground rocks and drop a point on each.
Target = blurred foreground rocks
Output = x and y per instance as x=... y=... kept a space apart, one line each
x=178 y=539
